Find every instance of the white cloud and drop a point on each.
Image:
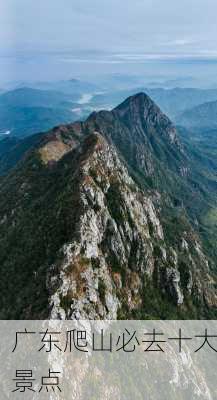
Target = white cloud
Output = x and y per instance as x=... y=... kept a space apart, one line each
x=179 y=42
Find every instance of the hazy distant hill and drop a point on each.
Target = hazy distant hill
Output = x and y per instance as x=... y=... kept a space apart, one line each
x=201 y=117
x=28 y=97
x=72 y=87
x=24 y=121
x=25 y=111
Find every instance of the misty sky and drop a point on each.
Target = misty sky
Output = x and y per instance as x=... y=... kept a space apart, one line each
x=104 y=32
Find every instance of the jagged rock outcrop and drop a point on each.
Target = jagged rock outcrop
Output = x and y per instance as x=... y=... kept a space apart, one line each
x=82 y=238
x=145 y=136
x=113 y=251
x=113 y=248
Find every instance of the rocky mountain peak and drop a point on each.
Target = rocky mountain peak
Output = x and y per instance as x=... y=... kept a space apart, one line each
x=96 y=243
x=140 y=110
x=138 y=101
x=145 y=137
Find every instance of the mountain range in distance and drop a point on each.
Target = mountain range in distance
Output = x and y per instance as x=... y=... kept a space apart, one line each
x=110 y=217
x=28 y=110
x=200 y=118
x=25 y=110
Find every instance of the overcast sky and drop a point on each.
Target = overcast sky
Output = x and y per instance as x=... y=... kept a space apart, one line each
x=109 y=31
x=165 y=27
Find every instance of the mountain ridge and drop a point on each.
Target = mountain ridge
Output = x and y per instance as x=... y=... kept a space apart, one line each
x=94 y=241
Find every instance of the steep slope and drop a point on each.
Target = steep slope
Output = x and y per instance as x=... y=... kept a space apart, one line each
x=13 y=149
x=202 y=117
x=79 y=238
x=145 y=137
x=148 y=142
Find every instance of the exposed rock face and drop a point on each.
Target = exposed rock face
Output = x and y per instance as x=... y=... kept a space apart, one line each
x=104 y=267
x=140 y=111
x=113 y=241
x=143 y=135
x=95 y=243
x=172 y=279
